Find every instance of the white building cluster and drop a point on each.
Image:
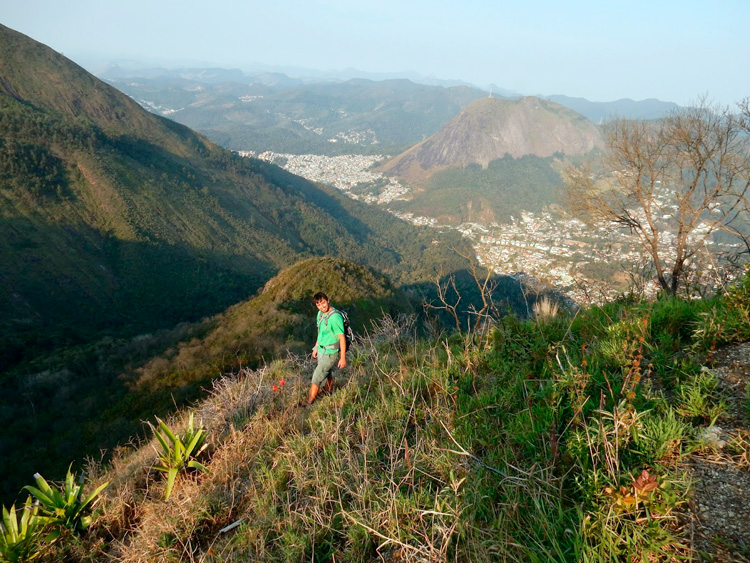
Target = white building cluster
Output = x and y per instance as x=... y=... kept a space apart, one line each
x=345 y=173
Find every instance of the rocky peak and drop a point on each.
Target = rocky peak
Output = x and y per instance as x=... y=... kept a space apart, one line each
x=490 y=128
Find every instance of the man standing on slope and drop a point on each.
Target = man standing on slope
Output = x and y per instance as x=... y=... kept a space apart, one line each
x=330 y=347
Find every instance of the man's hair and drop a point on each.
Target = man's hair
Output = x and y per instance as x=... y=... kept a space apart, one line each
x=320 y=296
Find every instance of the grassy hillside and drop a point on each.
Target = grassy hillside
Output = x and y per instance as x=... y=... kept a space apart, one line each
x=555 y=439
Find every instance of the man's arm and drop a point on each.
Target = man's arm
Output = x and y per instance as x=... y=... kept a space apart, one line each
x=342 y=350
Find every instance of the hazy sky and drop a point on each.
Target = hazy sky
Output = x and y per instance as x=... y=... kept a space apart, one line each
x=599 y=49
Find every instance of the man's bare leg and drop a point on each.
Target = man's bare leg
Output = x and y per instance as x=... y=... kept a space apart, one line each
x=313 y=393
x=329 y=384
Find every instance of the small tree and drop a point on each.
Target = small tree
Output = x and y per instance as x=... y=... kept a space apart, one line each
x=672 y=182
x=740 y=227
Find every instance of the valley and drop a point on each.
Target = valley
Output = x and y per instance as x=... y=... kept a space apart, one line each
x=588 y=263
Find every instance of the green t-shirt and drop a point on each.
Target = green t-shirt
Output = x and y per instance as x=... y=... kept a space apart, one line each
x=329 y=328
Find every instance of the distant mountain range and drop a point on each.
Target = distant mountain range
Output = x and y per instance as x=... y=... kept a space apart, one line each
x=599 y=112
x=131 y=69
x=322 y=115
x=272 y=112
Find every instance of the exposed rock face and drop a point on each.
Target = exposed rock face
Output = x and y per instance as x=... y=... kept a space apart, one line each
x=490 y=128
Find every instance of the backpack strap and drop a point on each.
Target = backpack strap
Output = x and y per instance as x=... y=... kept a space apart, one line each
x=325 y=318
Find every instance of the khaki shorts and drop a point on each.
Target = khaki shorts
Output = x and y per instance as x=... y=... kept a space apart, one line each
x=326 y=364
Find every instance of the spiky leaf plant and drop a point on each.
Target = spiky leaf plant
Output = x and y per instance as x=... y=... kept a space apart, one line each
x=20 y=532
x=178 y=452
x=65 y=507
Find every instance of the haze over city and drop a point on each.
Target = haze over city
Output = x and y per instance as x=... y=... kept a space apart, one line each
x=669 y=50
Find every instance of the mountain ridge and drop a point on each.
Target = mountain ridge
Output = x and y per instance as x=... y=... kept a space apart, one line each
x=68 y=88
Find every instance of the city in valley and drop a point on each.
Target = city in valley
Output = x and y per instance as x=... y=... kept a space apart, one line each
x=588 y=263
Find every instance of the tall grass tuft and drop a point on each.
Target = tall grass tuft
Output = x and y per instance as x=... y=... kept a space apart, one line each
x=545 y=309
x=178 y=452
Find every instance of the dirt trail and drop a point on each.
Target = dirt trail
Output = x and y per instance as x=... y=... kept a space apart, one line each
x=720 y=502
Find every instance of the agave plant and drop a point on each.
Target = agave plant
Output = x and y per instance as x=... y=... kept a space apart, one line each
x=64 y=507
x=20 y=533
x=178 y=452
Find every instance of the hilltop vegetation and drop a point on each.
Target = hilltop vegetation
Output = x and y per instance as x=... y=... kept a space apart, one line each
x=556 y=439
x=276 y=322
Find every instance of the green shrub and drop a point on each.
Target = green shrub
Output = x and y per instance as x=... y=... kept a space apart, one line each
x=660 y=437
x=727 y=320
x=623 y=340
x=673 y=321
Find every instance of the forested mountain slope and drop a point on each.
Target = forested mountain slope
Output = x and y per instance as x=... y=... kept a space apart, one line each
x=113 y=218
